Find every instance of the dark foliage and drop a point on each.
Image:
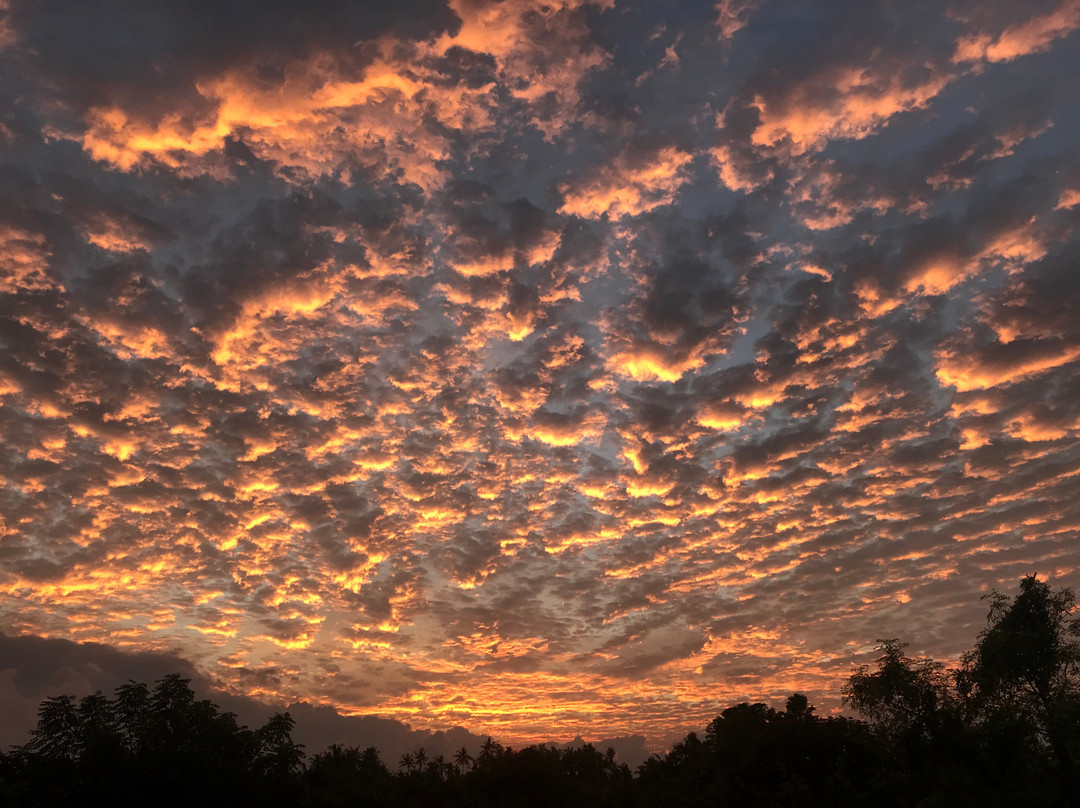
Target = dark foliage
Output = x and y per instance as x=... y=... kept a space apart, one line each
x=1001 y=730
x=141 y=744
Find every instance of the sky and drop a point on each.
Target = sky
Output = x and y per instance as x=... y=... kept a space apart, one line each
x=541 y=367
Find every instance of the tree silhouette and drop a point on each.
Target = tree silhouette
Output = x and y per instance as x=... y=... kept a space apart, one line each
x=904 y=695
x=57 y=735
x=1029 y=653
x=131 y=713
x=1024 y=672
x=797 y=707
x=489 y=749
x=346 y=776
x=462 y=759
x=421 y=758
x=278 y=757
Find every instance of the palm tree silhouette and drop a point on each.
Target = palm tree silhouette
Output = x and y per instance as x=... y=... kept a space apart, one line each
x=462 y=759
x=406 y=762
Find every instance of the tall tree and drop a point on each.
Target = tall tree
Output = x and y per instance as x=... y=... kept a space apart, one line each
x=903 y=696
x=279 y=756
x=1026 y=664
x=131 y=712
x=58 y=734
x=462 y=759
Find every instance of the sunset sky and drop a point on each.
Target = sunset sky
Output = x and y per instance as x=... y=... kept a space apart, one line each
x=545 y=368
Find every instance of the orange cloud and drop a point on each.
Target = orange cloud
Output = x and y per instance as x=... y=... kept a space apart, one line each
x=734 y=15
x=972 y=371
x=24 y=261
x=1069 y=198
x=844 y=103
x=645 y=363
x=720 y=416
x=322 y=116
x=116 y=235
x=631 y=185
x=1033 y=35
x=513 y=33
x=132 y=340
x=313 y=122
x=9 y=37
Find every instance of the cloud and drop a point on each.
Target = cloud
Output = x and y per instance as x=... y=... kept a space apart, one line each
x=456 y=365
x=844 y=103
x=633 y=184
x=1032 y=35
x=734 y=15
x=311 y=106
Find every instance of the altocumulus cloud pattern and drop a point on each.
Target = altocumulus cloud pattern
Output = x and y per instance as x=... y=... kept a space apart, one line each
x=542 y=367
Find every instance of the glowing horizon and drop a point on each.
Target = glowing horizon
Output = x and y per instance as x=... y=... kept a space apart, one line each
x=542 y=368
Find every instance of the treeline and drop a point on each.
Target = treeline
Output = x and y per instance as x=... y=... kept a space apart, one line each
x=1002 y=729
